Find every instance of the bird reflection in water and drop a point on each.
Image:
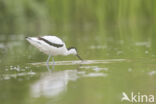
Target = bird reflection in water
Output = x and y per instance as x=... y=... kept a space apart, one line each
x=53 y=84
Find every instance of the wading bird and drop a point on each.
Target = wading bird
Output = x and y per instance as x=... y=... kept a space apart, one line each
x=52 y=46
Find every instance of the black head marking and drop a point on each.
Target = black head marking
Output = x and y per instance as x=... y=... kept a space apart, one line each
x=72 y=48
x=77 y=53
x=50 y=43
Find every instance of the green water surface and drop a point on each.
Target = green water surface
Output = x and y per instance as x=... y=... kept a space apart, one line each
x=116 y=39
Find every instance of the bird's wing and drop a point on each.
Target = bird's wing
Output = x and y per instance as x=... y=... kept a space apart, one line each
x=52 y=40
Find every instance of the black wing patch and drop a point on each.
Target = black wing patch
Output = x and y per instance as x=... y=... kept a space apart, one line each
x=50 y=43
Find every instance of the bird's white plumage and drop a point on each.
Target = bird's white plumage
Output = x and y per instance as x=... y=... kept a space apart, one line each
x=49 y=49
x=52 y=46
x=53 y=39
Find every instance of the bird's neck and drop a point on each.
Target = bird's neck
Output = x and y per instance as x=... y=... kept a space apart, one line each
x=68 y=52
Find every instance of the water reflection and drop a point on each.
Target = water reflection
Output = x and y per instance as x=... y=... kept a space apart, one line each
x=96 y=75
x=53 y=84
x=74 y=62
x=152 y=73
x=17 y=75
x=16 y=72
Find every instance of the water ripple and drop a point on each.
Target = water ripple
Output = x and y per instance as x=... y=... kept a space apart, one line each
x=73 y=62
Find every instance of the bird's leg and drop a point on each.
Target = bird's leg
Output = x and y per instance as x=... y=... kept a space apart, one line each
x=48 y=63
x=53 y=62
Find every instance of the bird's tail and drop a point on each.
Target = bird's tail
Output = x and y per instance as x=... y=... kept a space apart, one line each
x=33 y=40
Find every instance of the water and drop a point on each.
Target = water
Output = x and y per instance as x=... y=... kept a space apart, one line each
x=100 y=78
x=116 y=42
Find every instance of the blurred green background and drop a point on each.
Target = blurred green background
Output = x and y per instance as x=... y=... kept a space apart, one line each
x=125 y=24
x=100 y=29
